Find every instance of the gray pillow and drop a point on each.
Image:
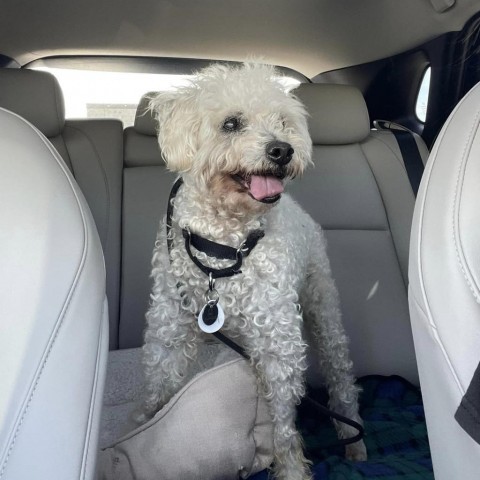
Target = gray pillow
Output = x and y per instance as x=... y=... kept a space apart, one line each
x=216 y=427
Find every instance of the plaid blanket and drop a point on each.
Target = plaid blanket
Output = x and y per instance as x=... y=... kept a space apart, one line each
x=396 y=435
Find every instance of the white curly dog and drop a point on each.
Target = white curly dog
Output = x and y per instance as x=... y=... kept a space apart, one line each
x=236 y=137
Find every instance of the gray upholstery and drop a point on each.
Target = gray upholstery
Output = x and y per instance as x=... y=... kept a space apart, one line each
x=384 y=158
x=146 y=189
x=360 y=193
x=36 y=96
x=444 y=293
x=145 y=122
x=92 y=150
x=338 y=113
x=53 y=320
x=95 y=154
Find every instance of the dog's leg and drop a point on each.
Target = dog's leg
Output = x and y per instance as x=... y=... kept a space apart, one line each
x=277 y=351
x=171 y=343
x=322 y=316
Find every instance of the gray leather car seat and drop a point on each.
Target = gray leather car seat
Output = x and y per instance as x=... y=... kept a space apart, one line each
x=444 y=292
x=53 y=321
x=359 y=192
x=92 y=150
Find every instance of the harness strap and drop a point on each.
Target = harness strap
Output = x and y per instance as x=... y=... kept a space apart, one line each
x=173 y=193
x=212 y=249
x=224 y=252
x=221 y=251
x=214 y=272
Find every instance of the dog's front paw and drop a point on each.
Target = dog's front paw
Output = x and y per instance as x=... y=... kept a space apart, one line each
x=356 y=452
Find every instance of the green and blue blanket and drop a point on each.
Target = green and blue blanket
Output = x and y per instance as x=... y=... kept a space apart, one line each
x=396 y=435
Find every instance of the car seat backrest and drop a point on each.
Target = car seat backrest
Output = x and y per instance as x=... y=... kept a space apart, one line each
x=53 y=321
x=444 y=292
x=359 y=191
x=146 y=189
x=92 y=150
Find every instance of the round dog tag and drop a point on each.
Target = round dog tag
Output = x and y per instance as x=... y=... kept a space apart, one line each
x=211 y=318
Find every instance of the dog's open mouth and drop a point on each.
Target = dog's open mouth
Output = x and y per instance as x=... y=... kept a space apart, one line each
x=266 y=187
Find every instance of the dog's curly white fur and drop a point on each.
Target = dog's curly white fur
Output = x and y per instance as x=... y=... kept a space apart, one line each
x=215 y=132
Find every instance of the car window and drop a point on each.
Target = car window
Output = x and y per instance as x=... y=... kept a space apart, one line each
x=104 y=94
x=422 y=96
x=101 y=94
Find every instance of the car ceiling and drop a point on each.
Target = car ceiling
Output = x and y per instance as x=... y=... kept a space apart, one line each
x=311 y=36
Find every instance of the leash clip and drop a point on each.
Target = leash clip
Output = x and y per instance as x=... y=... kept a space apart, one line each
x=211 y=282
x=211 y=295
x=242 y=249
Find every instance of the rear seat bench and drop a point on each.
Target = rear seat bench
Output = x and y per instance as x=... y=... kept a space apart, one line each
x=358 y=191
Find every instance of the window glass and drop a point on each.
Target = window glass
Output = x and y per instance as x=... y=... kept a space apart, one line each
x=102 y=94
x=422 y=97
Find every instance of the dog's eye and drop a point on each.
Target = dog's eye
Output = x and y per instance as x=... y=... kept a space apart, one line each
x=232 y=124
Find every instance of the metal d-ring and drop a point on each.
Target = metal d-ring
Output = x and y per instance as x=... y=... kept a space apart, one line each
x=242 y=249
x=212 y=297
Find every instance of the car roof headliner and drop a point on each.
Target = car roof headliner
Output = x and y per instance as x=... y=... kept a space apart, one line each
x=311 y=36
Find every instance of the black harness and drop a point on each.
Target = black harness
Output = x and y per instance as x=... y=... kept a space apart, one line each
x=225 y=252
x=212 y=249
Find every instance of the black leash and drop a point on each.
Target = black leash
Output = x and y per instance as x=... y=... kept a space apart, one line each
x=211 y=312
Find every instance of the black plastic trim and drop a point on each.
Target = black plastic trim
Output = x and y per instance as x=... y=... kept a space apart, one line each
x=7 y=62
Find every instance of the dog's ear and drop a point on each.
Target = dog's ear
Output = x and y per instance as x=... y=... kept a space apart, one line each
x=178 y=125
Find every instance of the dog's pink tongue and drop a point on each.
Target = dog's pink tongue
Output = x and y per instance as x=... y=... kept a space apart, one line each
x=265 y=186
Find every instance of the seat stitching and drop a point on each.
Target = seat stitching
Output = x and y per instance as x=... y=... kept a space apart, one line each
x=421 y=208
x=60 y=319
x=95 y=386
x=386 y=215
x=456 y=211
x=399 y=159
x=439 y=342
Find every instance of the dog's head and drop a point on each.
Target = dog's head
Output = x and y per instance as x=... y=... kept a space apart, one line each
x=235 y=133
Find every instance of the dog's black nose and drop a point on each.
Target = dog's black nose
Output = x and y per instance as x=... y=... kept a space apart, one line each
x=279 y=152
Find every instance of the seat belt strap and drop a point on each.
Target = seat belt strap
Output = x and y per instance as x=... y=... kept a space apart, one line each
x=409 y=149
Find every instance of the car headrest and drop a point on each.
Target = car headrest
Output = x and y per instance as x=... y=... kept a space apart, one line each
x=35 y=96
x=338 y=113
x=145 y=122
